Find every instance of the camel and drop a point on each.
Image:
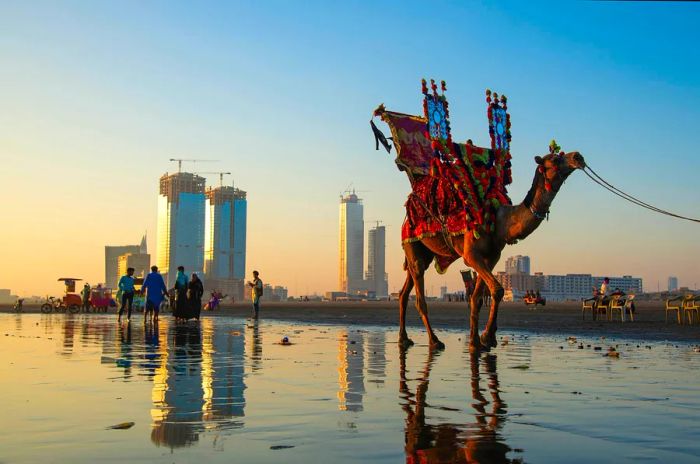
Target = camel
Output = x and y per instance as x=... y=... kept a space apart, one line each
x=512 y=223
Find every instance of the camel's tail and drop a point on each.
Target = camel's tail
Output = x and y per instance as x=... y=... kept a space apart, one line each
x=405 y=264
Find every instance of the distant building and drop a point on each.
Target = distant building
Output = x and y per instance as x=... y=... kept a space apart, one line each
x=443 y=292
x=112 y=254
x=181 y=206
x=518 y=265
x=672 y=284
x=141 y=262
x=6 y=297
x=351 y=244
x=578 y=286
x=520 y=283
x=225 y=240
x=274 y=293
x=377 y=279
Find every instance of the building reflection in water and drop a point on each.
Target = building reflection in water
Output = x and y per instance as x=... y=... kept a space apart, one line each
x=376 y=357
x=476 y=442
x=198 y=385
x=351 y=387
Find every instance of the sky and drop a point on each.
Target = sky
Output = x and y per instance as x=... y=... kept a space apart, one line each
x=98 y=96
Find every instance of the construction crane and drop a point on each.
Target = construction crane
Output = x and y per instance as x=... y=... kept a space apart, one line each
x=180 y=160
x=221 y=176
x=348 y=191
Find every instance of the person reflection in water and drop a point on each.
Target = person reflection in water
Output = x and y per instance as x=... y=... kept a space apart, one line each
x=447 y=443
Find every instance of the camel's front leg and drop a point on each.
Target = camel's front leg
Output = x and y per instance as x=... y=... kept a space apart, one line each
x=422 y=307
x=404 y=341
x=488 y=336
x=475 y=301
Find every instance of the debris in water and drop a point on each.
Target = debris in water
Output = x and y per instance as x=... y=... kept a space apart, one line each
x=280 y=447
x=122 y=426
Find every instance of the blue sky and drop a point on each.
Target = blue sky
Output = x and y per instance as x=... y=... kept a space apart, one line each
x=98 y=96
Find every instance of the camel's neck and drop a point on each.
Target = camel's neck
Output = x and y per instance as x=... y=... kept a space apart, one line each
x=521 y=220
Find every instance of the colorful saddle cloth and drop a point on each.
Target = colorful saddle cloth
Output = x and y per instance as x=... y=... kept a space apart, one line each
x=456 y=187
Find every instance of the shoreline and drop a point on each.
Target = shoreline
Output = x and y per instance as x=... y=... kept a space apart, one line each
x=563 y=318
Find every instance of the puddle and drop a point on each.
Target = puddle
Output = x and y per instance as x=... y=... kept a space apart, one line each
x=226 y=390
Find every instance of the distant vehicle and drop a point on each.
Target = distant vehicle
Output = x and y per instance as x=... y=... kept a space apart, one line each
x=18 y=305
x=59 y=305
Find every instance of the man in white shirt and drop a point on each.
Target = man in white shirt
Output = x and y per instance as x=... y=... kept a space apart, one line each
x=256 y=291
x=604 y=290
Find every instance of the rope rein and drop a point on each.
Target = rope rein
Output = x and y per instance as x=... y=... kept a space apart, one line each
x=626 y=196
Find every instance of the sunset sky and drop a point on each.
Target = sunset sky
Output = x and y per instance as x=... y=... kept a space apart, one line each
x=97 y=96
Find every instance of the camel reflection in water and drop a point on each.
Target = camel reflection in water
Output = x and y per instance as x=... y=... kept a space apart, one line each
x=477 y=442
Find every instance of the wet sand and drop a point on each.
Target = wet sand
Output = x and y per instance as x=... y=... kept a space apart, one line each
x=556 y=318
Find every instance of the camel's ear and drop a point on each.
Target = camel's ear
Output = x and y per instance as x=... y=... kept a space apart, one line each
x=538 y=160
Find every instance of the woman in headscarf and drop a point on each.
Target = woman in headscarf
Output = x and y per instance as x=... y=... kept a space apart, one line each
x=180 y=311
x=195 y=291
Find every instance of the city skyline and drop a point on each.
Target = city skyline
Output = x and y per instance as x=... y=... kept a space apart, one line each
x=99 y=97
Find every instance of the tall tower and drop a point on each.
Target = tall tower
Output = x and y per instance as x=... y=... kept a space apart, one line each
x=518 y=264
x=225 y=233
x=376 y=261
x=352 y=235
x=180 y=224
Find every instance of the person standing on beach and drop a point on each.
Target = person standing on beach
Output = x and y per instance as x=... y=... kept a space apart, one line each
x=256 y=289
x=181 y=281
x=155 y=289
x=126 y=287
x=195 y=291
x=85 y=294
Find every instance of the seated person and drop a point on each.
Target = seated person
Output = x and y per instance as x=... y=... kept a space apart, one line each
x=603 y=293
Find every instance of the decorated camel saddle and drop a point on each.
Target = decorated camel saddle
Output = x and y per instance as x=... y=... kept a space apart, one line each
x=456 y=187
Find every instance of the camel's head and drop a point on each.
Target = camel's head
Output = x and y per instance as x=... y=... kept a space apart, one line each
x=556 y=167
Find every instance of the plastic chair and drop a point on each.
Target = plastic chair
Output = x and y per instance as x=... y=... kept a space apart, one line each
x=603 y=306
x=588 y=304
x=617 y=303
x=690 y=306
x=677 y=307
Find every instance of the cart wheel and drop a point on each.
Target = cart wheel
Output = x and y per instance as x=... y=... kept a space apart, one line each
x=74 y=308
x=46 y=308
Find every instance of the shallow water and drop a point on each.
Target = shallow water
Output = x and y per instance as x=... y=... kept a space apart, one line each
x=226 y=391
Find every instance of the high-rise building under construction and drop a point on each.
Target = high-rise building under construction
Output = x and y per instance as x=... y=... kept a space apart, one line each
x=181 y=206
x=225 y=239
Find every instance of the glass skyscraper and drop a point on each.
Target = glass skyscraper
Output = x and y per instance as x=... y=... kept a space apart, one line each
x=225 y=233
x=376 y=261
x=352 y=244
x=181 y=206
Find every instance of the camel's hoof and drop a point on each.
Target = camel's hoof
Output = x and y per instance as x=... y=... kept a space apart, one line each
x=437 y=345
x=405 y=342
x=488 y=341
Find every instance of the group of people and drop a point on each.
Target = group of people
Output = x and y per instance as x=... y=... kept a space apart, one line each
x=604 y=294
x=534 y=297
x=188 y=294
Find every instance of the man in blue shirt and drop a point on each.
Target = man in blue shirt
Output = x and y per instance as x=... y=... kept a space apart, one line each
x=154 y=287
x=126 y=287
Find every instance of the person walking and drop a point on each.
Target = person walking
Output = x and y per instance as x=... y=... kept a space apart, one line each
x=126 y=287
x=85 y=295
x=155 y=290
x=181 y=281
x=256 y=289
x=195 y=291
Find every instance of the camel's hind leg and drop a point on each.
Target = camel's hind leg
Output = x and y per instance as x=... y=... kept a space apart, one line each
x=418 y=259
x=475 y=301
x=404 y=341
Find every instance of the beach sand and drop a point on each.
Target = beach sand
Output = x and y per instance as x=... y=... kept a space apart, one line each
x=556 y=318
